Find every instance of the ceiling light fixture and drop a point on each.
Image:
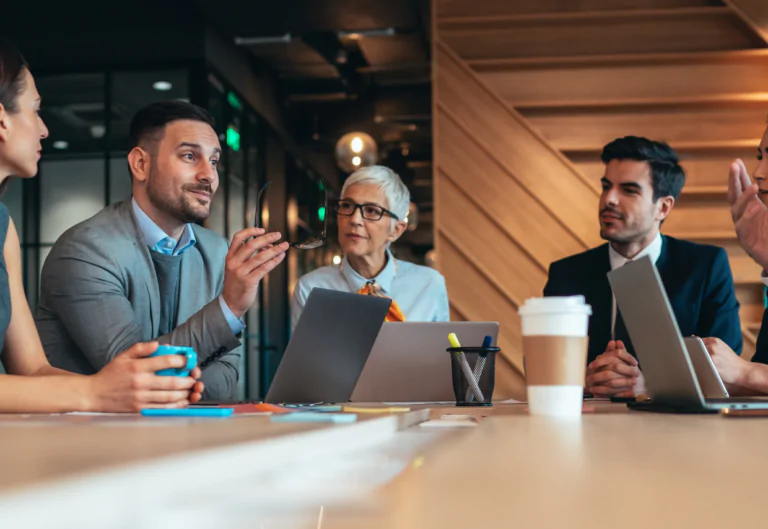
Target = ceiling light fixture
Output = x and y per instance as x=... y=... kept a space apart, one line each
x=162 y=86
x=60 y=145
x=356 y=145
x=355 y=150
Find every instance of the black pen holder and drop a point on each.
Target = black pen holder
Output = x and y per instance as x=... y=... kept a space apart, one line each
x=479 y=364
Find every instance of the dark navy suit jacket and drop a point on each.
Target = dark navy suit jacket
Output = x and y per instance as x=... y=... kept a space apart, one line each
x=697 y=279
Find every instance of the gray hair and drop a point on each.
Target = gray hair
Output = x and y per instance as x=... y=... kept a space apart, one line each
x=397 y=194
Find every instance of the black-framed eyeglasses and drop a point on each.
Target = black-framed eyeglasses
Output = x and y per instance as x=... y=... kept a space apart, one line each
x=347 y=208
x=312 y=242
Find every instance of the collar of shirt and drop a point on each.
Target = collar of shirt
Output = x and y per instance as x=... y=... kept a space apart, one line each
x=157 y=239
x=653 y=250
x=384 y=279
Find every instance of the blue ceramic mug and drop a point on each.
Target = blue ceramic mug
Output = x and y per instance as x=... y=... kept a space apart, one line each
x=187 y=352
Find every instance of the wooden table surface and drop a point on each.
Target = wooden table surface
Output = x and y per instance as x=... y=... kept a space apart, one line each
x=41 y=448
x=610 y=469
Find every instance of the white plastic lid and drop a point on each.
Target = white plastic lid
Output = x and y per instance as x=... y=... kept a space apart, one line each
x=555 y=305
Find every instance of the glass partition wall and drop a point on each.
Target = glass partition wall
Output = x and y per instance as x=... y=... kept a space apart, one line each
x=84 y=169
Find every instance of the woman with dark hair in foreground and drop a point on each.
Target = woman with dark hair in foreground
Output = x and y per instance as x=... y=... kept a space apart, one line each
x=31 y=384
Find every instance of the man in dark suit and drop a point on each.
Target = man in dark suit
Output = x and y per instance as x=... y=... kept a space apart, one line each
x=642 y=181
x=750 y=218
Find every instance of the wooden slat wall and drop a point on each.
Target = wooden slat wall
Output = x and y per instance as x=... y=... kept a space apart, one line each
x=688 y=30
x=507 y=205
x=449 y=9
x=754 y=13
x=507 y=139
x=526 y=94
x=712 y=77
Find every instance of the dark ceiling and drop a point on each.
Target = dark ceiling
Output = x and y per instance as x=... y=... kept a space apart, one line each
x=343 y=66
x=340 y=65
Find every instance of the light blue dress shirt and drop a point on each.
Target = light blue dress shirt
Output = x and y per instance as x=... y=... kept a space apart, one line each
x=418 y=290
x=160 y=242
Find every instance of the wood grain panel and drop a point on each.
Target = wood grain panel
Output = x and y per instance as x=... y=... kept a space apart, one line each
x=751 y=299
x=754 y=13
x=478 y=237
x=701 y=217
x=713 y=170
x=488 y=187
x=713 y=30
x=506 y=137
x=487 y=8
x=745 y=270
x=701 y=173
x=723 y=77
x=706 y=127
x=509 y=384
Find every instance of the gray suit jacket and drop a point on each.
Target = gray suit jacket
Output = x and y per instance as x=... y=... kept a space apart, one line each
x=99 y=296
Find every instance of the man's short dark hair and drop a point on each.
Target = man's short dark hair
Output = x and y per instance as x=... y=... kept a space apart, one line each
x=667 y=177
x=148 y=125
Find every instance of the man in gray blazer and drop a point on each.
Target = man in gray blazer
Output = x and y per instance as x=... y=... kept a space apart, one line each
x=143 y=269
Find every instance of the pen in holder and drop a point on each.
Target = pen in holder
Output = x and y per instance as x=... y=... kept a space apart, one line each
x=468 y=390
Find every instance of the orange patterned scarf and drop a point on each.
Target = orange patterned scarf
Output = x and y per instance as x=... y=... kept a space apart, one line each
x=372 y=288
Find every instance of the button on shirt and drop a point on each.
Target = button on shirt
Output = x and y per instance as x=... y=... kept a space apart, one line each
x=653 y=250
x=159 y=241
x=419 y=291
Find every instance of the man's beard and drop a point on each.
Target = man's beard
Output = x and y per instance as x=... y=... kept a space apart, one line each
x=605 y=233
x=182 y=208
x=619 y=238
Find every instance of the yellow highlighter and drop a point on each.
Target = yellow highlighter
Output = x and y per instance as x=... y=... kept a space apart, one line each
x=454 y=340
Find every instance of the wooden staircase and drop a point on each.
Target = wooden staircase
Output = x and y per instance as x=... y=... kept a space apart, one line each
x=527 y=92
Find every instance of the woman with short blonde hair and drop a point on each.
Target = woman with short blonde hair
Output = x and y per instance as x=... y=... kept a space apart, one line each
x=371 y=215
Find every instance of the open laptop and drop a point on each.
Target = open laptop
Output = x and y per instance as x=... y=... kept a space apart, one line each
x=329 y=347
x=409 y=363
x=711 y=384
x=669 y=373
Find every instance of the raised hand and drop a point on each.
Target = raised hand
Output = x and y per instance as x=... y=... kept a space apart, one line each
x=749 y=213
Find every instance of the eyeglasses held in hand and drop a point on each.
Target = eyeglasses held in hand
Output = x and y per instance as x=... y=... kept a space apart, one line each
x=312 y=242
x=347 y=208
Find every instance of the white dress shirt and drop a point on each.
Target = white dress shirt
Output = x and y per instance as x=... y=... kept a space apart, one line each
x=653 y=250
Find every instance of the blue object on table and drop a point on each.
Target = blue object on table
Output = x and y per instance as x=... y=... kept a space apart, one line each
x=187 y=352
x=487 y=342
x=311 y=416
x=187 y=412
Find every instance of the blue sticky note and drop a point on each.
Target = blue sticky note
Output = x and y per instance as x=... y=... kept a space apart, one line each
x=311 y=416
x=187 y=412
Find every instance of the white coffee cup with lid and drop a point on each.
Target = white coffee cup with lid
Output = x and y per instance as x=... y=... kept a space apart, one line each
x=555 y=340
